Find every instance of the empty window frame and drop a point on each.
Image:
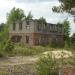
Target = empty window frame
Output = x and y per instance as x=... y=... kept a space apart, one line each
x=39 y=27
x=20 y=26
x=14 y=26
x=27 y=39
x=16 y=39
x=27 y=22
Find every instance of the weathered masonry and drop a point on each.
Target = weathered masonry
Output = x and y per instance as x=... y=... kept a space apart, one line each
x=33 y=32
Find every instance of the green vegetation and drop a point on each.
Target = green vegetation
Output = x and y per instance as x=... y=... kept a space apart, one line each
x=29 y=16
x=72 y=41
x=47 y=66
x=27 y=50
x=50 y=65
x=6 y=45
x=15 y=15
x=66 y=5
x=69 y=42
x=3 y=39
x=66 y=26
x=42 y=19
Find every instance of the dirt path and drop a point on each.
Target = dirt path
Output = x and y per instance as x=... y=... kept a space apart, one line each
x=18 y=60
x=22 y=65
x=30 y=59
x=19 y=65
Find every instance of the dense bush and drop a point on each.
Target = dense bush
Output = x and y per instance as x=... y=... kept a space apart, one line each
x=28 y=50
x=47 y=66
x=8 y=46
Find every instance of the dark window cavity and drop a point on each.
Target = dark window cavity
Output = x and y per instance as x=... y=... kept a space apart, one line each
x=27 y=22
x=39 y=27
x=14 y=26
x=27 y=39
x=20 y=26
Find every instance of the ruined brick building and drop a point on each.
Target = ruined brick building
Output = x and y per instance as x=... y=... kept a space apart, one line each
x=33 y=32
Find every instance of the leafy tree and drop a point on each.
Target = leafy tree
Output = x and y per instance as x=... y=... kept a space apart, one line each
x=66 y=5
x=72 y=41
x=14 y=15
x=66 y=29
x=17 y=14
x=42 y=19
x=5 y=43
x=29 y=16
x=1 y=26
x=4 y=32
x=69 y=7
x=66 y=26
x=3 y=38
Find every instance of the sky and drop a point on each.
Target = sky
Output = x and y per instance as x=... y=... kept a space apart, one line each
x=38 y=9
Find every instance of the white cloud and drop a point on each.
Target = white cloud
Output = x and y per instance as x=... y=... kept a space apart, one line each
x=38 y=9
x=5 y=6
x=35 y=1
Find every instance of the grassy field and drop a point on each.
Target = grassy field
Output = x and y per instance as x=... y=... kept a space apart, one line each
x=23 y=57
x=25 y=50
x=29 y=50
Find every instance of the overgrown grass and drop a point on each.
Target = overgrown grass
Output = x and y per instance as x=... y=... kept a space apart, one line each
x=28 y=50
